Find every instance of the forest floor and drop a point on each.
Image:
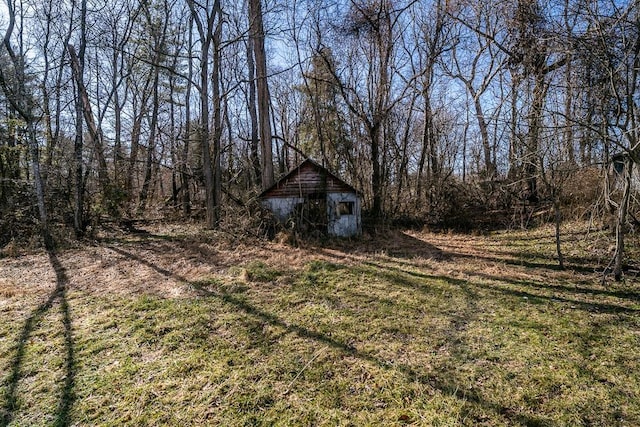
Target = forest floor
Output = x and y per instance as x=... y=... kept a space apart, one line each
x=176 y=326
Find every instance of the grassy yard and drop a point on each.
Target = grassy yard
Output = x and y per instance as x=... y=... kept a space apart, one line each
x=179 y=327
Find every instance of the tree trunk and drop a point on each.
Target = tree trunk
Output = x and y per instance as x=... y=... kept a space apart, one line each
x=94 y=132
x=117 y=130
x=253 y=115
x=151 y=142
x=217 y=120
x=489 y=165
x=428 y=153
x=256 y=33
x=78 y=147
x=558 y=223
x=35 y=166
x=376 y=184
x=622 y=219
x=204 y=141
x=21 y=100
x=533 y=138
x=184 y=164
x=514 y=143
x=206 y=38
x=568 y=113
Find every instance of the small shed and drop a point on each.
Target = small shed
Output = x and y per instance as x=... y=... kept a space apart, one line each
x=311 y=198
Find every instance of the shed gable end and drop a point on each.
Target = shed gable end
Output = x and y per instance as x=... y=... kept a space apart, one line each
x=306 y=180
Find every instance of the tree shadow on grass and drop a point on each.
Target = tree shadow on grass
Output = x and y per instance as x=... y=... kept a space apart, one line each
x=525 y=293
x=505 y=285
x=393 y=244
x=413 y=374
x=630 y=295
x=65 y=403
x=579 y=265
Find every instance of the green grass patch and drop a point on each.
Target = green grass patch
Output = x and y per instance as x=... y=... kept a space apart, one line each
x=381 y=341
x=258 y=271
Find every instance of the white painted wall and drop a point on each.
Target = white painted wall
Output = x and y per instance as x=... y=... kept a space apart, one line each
x=339 y=225
x=282 y=207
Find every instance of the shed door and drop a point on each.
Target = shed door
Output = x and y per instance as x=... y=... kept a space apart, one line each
x=313 y=215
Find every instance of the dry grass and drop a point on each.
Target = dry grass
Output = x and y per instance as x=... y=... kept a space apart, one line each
x=176 y=326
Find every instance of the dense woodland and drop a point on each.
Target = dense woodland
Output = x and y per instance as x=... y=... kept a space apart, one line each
x=454 y=113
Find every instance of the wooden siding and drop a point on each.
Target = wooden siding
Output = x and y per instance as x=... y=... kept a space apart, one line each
x=308 y=179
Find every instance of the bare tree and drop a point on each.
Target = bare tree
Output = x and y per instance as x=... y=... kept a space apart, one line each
x=476 y=61
x=433 y=32
x=157 y=28
x=14 y=84
x=531 y=51
x=613 y=44
x=371 y=26
x=208 y=20
x=84 y=104
x=186 y=139
x=256 y=40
